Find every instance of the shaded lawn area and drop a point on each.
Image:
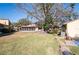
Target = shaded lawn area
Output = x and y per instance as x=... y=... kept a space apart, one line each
x=28 y=43
x=74 y=49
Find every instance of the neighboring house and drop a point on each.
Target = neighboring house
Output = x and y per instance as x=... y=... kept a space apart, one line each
x=71 y=28
x=5 y=24
x=30 y=27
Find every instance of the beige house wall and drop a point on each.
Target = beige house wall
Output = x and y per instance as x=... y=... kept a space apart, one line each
x=73 y=29
x=4 y=22
x=36 y=29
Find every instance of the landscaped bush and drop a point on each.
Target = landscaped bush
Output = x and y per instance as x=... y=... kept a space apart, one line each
x=46 y=27
x=50 y=31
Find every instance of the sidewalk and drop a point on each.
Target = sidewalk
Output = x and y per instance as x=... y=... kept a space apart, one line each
x=71 y=43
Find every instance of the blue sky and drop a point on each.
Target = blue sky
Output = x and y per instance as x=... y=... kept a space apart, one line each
x=9 y=11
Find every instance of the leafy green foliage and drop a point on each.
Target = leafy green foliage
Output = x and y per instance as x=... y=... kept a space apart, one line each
x=46 y=26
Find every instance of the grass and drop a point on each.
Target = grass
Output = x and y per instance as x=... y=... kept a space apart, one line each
x=28 y=43
x=74 y=49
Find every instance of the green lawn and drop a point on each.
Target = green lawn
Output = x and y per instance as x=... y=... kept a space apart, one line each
x=28 y=43
x=74 y=49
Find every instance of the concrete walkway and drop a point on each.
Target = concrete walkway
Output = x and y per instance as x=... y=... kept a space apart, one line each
x=70 y=43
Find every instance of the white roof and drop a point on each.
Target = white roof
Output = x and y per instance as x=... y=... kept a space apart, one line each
x=30 y=25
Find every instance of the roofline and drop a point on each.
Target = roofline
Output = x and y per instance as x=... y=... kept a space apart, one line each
x=4 y=19
x=27 y=26
x=71 y=21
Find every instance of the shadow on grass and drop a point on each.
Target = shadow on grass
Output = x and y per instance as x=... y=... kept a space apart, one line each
x=67 y=53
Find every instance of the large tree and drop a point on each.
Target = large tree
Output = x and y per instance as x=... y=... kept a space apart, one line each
x=49 y=13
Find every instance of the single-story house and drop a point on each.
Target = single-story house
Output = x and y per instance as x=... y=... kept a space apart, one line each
x=5 y=24
x=30 y=27
x=71 y=28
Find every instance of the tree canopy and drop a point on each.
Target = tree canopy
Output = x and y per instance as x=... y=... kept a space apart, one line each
x=51 y=14
x=23 y=21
